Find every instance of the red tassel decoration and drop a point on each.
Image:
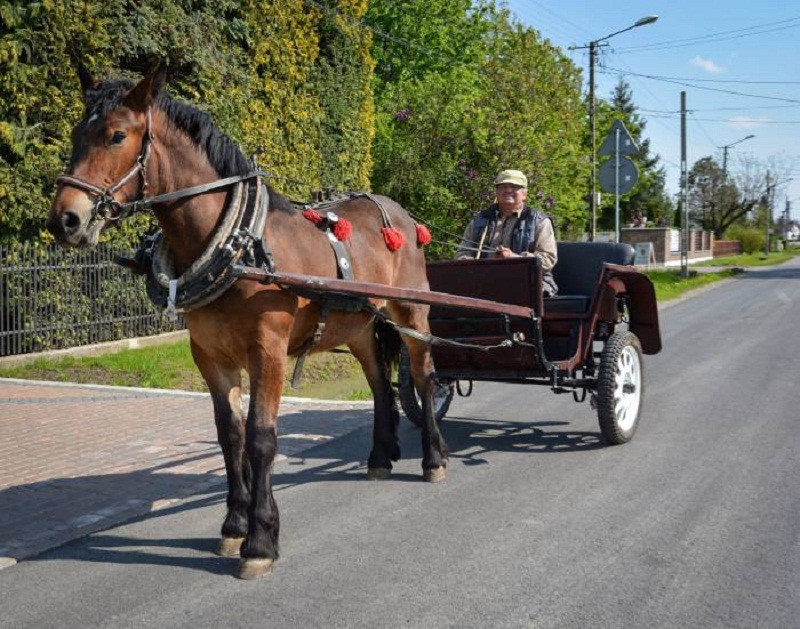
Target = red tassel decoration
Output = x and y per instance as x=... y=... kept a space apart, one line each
x=392 y=237
x=423 y=235
x=313 y=216
x=342 y=229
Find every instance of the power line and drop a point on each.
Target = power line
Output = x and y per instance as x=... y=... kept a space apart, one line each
x=708 y=89
x=717 y=37
x=676 y=111
x=674 y=78
x=675 y=116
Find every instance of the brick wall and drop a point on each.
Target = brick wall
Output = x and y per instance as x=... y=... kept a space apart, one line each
x=666 y=243
x=727 y=248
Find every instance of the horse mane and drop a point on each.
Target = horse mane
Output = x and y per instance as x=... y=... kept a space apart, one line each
x=222 y=152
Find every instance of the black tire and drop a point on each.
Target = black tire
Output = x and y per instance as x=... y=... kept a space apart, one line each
x=620 y=387
x=409 y=400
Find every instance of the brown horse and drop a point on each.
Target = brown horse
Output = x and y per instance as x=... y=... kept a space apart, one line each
x=138 y=149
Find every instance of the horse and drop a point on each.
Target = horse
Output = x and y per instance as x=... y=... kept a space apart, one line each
x=139 y=150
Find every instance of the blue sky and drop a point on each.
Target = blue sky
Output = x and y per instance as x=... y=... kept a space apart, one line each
x=739 y=64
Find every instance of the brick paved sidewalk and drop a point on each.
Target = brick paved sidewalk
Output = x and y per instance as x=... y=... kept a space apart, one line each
x=76 y=459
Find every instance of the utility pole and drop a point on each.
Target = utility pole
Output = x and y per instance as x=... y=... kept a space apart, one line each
x=592 y=128
x=684 y=194
x=767 y=216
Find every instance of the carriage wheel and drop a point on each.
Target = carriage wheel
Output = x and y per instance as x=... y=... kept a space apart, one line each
x=409 y=400
x=620 y=387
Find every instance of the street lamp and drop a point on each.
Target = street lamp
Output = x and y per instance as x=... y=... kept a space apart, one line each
x=725 y=153
x=592 y=46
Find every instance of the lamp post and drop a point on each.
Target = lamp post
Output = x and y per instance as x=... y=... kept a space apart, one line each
x=593 y=46
x=725 y=153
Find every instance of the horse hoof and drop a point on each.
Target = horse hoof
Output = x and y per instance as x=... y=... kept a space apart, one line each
x=434 y=475
x=229 y=546
x=378 y=473
x=254 y=568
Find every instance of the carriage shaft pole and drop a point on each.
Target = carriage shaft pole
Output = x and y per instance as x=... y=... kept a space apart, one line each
x=381 y=291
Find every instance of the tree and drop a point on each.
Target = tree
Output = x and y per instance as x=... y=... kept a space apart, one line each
x=719 y=200
x=462 y=92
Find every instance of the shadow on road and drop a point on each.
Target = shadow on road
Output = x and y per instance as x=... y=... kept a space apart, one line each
x=470 y=440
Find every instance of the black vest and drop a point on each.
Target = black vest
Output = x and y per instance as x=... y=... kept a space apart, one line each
x=524 y=231
x=523 y=235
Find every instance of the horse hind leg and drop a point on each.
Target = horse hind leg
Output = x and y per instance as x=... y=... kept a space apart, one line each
x=375 y=349
x=434 y=448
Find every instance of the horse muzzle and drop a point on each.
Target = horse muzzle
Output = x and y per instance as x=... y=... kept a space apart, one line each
x=72 y=224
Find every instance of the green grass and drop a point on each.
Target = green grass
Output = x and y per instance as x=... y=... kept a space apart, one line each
x=325 y=376
x=754 y=259
x=170 y=366
x=669 y=284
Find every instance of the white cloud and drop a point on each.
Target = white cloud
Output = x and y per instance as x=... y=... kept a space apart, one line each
x=707 y=65
x=743 y=122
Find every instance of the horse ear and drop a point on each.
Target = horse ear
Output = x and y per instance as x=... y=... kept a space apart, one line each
x=146 y=90
x=88 y=82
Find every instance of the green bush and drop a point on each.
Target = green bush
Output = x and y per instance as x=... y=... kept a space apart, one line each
x=752 y=238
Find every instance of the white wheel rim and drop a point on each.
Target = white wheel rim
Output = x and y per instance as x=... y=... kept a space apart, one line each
x=627 y=388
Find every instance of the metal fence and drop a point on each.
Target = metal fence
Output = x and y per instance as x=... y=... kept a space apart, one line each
x=55 y=298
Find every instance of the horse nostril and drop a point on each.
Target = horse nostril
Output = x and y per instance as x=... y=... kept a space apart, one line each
x=70 y=222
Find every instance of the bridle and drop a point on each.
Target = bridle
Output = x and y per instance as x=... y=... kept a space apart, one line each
x=104 y=205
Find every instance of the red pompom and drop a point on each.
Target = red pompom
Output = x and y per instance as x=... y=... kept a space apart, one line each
x=342 y=229
x=392 y=237
x=313 y=216
x=423 y=235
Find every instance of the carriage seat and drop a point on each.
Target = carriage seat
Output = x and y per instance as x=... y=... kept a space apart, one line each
x=577 y=271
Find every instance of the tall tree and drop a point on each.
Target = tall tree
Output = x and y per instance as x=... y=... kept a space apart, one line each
x=461 y=93
x=715 y=201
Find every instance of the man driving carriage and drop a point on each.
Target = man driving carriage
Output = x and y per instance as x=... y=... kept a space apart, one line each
x=509 y=228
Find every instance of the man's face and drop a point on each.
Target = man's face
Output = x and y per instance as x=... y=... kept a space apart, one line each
x=510 y=197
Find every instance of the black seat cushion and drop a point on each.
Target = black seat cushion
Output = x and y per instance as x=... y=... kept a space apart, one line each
x=577 y=272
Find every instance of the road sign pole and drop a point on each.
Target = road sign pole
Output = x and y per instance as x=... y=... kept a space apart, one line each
x=616 y=187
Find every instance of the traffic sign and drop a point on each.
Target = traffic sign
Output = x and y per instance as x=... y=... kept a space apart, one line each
x=628 y=175
x=626 y=144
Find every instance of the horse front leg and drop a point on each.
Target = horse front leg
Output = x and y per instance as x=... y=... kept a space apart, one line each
x=225 y=387
x=267 y=368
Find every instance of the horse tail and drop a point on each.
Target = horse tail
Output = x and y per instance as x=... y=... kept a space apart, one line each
x=389 y=344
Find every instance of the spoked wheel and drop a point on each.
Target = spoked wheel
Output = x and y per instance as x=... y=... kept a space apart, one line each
x=620 y=387
x=409 y=400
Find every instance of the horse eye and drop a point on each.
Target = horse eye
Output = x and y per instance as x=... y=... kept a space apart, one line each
x=118 y=137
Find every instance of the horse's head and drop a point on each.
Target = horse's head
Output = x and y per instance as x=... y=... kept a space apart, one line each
x=110 y=150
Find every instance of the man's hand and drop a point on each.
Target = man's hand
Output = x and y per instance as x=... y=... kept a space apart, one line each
x=504 y=252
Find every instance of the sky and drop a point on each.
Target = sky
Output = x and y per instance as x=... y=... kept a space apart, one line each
x=738 y=62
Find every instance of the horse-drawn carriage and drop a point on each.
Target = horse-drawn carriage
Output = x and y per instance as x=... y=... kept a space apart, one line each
x=588 y=340
x=490 y=321
x=137 y=150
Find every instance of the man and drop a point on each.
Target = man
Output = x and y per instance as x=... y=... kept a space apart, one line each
x=509 y=228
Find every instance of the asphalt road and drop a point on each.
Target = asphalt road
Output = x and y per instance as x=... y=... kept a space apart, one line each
x=692 y=524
